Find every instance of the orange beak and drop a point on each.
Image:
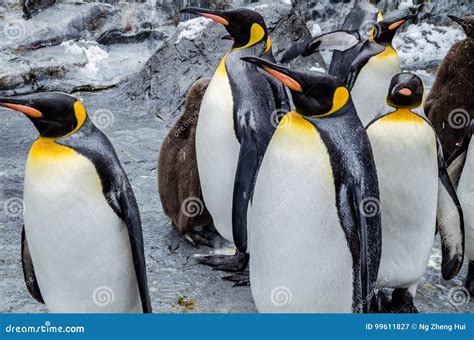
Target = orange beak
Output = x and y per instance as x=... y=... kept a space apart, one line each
x=27 y=110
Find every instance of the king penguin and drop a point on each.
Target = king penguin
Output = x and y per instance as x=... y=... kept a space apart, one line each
x=376 y=63
x=313 y=249
x=82 y=245
x=362 y=17
x=450 y=103
x=461 y=171
x=235 y=127
x=416 y=194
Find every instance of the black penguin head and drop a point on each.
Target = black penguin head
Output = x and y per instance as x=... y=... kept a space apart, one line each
x=53 y=114
x=246 y=27
x=467 y=24
x=405 y=91
x=384 y=31
x=314 y=94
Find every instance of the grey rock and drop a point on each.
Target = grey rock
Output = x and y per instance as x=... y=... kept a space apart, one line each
x=32 y=7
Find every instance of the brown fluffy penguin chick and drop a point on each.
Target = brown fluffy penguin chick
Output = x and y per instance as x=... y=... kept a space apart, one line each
x=450 y=103
x=178 y=177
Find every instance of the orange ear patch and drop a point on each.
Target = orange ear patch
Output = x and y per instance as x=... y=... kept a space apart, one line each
x=27 y=110
x=216 y=18
x=288 y=81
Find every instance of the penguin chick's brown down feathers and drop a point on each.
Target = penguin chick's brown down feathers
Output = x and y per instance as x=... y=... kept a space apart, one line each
x=450 y=103
x=178 y=177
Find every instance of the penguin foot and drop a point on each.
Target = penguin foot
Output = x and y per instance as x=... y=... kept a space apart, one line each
x=469 y=283
x=402 y=301
x=380 y=303
x=240 y=279
x=227 y=263
x=202 y=236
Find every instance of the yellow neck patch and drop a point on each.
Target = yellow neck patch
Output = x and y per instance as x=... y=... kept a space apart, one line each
x=340 y=98
x=257 y=33
x=294 y=123
x=47 y=150
x=387 y=53
x=403 y=116
x=221 y=71
x=269 y=45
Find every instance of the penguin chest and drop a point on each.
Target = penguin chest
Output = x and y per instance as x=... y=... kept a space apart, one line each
x=372 y=84
x=404 y=150
x=79 y=247
x=217 y=151
x=300 y=258
x=465 y=192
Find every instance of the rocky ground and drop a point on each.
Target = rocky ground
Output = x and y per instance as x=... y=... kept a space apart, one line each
x=128 y=115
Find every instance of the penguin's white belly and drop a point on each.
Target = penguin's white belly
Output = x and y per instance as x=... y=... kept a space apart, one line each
x=406 y=160
x=217 y=152
x=300 y=261
x=372 y=84
x=466 y=196
x=79 y=247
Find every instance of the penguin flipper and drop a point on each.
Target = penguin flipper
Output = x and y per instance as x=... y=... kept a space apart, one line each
x=129 y=212
x=340 y=40
x=245 y=176
x=29 y=270
x=450 y=222
x=362 y=230
x=367 y=51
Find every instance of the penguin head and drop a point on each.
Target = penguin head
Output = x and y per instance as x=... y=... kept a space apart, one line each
x=467 y=24
x=245 y=26
x=314 y=94
x=383 y=32
x=54 y=114
x=405 y=91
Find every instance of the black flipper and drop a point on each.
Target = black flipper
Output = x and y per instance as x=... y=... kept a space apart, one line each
x=450 y=222
x=93 y=144
x=367 y=51
x=364 y=253
x=29 y=270
x=337 y=40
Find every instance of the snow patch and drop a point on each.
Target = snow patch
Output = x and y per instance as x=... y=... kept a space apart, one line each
x=425 y=45
x=91 y=50
x=315 y=30
x=317 y=69
x=191 y=29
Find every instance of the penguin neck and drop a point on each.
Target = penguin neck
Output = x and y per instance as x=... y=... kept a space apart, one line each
x=258 y=48
x=84 y=121
x=403 y=115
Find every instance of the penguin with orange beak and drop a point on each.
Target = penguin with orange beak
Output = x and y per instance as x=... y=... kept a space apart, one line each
x=234 y=128
x=82 y=236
